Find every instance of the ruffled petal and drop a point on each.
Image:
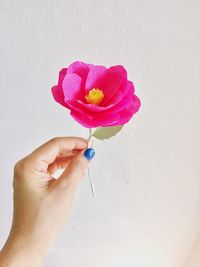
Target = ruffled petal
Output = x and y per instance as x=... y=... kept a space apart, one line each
x=62 y=74
x=122 y=91
x=75 y=106
x=90 y=121
x=119 y=103
x=108 y=80
x=111 y=118
x=72 y=87
x=93 y=107
x=57 y=90
x=58 y=96
x=79 y=68
x=116 y=78
x=121 y=98
x=127 y=113
x=127 y=96
x=95 y=77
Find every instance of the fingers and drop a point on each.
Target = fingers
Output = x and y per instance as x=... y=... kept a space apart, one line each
x=76 y=168
x=56 y=147
x=59 y=163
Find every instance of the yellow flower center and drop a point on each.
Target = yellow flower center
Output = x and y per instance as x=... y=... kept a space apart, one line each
x=95 y=96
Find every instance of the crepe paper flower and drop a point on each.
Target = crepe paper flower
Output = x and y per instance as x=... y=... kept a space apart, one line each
x=95 y=95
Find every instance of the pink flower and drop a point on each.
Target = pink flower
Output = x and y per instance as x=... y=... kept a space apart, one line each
x=95 y=95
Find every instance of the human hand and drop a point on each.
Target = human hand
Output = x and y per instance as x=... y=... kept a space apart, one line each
x=42 y=204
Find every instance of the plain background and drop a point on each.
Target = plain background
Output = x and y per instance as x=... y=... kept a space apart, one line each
x=147 y=210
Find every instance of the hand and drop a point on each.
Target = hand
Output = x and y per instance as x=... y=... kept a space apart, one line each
x=42 y=204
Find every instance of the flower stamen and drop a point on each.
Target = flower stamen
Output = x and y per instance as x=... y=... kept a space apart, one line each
x=95 y=96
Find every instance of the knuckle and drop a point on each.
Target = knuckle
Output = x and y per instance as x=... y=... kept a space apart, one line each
x=55 y=139
x=19 y=167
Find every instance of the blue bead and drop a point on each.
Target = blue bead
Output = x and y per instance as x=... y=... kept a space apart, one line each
x=89 y=153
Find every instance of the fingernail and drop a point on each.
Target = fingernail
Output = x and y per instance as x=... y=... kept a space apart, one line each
x=89 y=153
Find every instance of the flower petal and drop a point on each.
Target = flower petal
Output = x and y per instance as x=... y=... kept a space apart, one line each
x=94 y=78
x=108 y=80
x=62 y=74
x=57 y=91
x=117 y=102
x=94 y=121
x=112 y=118
x=122 y=91
x=72 y=85
x=115 y=78
x=79 y=68
x=127 y=113
x=58 y=96
x=93 y=107
x=127 y=96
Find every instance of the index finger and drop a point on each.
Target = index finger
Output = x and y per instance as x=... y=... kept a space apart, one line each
x=49 y=151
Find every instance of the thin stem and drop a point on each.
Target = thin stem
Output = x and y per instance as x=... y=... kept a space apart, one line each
x=90 y=136
x=89 y=171
x=91 y=183
x=90 y=132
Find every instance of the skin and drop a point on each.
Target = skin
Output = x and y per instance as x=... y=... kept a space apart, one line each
x=42 y=204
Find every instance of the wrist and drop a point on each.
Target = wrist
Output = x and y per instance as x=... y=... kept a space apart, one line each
x=23 y=251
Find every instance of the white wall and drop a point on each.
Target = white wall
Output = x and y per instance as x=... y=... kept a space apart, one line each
x=147 y=209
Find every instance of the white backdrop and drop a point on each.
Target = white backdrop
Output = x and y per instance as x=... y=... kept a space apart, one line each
x=147 y=210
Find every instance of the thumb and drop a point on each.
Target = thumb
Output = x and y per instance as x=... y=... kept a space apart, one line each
x=77 y=167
